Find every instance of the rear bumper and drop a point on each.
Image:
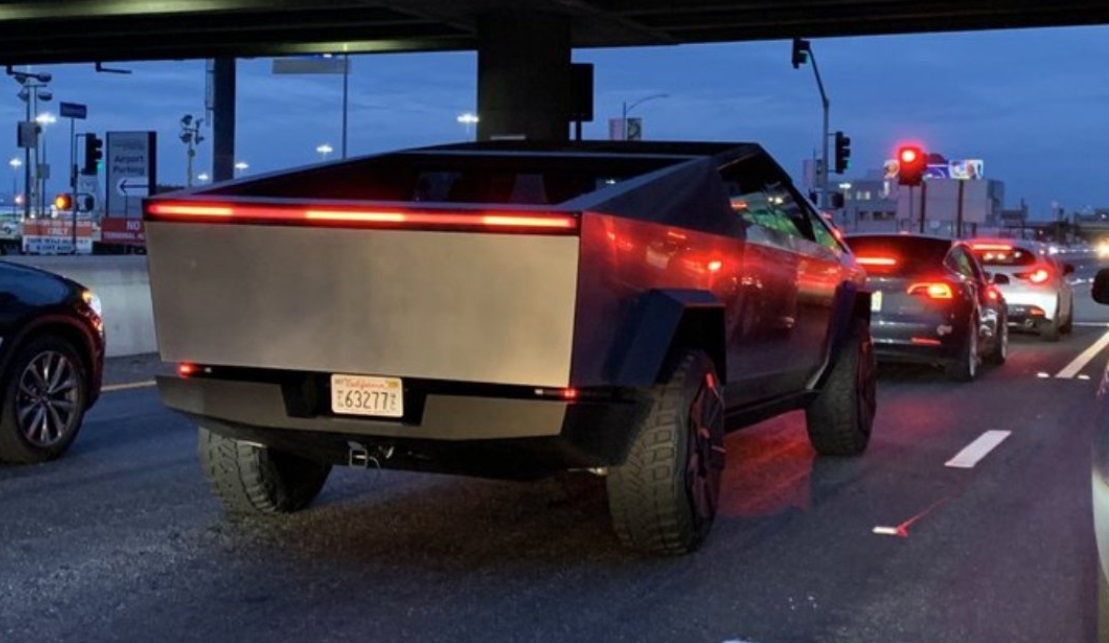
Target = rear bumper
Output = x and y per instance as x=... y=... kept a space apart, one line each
x=473 y=434
x=925 y=339
x=1027 y=307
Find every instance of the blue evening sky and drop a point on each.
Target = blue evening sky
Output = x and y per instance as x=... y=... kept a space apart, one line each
x=1031 y=103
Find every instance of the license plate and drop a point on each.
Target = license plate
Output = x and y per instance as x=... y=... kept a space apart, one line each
x=367 y=395
x=876 y=301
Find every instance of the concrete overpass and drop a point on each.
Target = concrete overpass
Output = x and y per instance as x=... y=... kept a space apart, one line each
x=523 y=46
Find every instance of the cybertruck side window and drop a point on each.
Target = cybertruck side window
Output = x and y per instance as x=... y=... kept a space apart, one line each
x=764 y=203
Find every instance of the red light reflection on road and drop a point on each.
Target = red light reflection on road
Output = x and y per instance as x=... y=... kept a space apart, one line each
x=769 y=470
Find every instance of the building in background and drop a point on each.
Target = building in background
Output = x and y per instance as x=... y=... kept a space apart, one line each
x=955 y=200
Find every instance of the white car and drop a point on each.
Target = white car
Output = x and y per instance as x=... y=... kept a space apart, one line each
x=1034 y=284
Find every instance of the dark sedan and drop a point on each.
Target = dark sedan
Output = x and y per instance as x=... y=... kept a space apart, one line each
x=51 y=362
x=932 y=303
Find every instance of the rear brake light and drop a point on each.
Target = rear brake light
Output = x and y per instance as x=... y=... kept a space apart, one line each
x=1039 y=276
x=877 y=261
x=1004 y=247
x=186 y=369
x=932 y=290
x=182 y=211
x=993 y=294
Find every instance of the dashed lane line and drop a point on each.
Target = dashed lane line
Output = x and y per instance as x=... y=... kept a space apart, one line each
x=112 y=388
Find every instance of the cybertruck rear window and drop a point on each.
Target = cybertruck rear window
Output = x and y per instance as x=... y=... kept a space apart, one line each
x=459 y=178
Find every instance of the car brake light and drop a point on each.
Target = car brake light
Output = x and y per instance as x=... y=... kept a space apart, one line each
x=876 y=261
x=992 y=294
x=1039 y=276
x=1003 y=247
x=932 y=290
x=185 y=369
x=362 y=217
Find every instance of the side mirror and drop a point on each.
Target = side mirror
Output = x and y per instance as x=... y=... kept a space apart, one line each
x=1068 y=269
x=1100 y=289
x=1000 y=279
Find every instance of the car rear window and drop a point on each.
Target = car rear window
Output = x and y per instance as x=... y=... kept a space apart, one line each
x=899 y=255
x=1002 y=255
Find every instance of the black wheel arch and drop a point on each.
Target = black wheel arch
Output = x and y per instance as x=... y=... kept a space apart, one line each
x=851 y=303
x=66 y=327
x=662 y=323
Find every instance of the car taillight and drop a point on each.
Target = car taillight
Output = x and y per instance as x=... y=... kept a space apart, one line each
x=993 y=294
x=552 y=222
x=887 y=262
x=932 y=290
x=1039 y=276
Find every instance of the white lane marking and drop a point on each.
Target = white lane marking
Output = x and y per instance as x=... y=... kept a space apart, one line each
x=1083 y=377
x=111 y=388
x=1092 y=324
x=887 y=531
x=975 y=451
x=1080 y=362
x=1043 y=376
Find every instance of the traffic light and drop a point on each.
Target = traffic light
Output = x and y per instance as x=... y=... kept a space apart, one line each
x=63 y=202
x=911 y=163
x=94 y=151
x=800 y=52
x=843 y=153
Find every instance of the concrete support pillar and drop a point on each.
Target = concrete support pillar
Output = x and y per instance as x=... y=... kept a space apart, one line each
x=524 y=83
x=223 y=117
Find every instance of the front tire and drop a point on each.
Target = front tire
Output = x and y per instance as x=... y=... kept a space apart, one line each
x=840 y=419
x=663 y=499
x=45 y=394
x=253 y=479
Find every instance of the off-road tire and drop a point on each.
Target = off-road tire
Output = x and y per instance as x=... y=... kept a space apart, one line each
x=19 y=443
x=840 y=419
x=664 y=498
x=253 y=479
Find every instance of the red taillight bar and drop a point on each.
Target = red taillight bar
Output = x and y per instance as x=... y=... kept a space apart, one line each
x=182 y=211
x=991 y=246
x=937 y=290
x=876 y=261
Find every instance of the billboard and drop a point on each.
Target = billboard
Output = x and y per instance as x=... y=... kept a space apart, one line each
x=962 y=169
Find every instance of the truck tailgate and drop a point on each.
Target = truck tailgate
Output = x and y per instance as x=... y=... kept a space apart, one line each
x=465 y=306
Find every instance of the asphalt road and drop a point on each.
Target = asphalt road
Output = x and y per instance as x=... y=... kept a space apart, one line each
x=121 y=541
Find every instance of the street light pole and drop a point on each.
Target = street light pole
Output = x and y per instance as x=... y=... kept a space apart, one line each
x=629 y=108
x=803 y=47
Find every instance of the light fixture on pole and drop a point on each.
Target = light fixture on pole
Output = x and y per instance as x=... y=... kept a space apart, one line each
x=240 y=167
x=628 y=108
x=203 y=177
x=324 y=150
x=468 y=119
x=33 y=88
x=44 y=119
x=191 y=137
x=16 y=163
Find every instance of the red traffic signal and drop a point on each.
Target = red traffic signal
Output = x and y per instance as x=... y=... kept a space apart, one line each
x=911 y=164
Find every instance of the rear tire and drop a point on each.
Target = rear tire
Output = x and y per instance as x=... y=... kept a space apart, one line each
x=1050 y=331
x=664 y=498
x=965 y=367
x=840 y=419
x=1000 y=351
x=1069 y=325
x=253 y=479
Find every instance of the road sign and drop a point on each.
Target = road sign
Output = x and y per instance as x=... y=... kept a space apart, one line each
x=73 y=110
x=130 y=174
x=312 y=65
x=133 y=186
